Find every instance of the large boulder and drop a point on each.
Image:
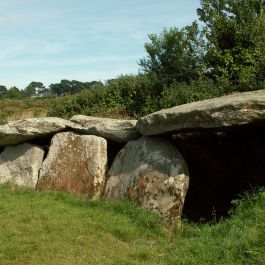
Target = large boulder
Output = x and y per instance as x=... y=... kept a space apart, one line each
x=227 y=111
x=20 y=164
x=152 y=172
x=16 y=132
x=112 y=129
x=75 y=163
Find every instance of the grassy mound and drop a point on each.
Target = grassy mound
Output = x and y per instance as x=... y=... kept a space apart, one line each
x=57 y=228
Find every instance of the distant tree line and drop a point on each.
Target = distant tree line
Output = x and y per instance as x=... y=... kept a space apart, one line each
x=37 y=89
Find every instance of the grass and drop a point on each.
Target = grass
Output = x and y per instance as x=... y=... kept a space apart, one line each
x=15 y=109
x=58 y=228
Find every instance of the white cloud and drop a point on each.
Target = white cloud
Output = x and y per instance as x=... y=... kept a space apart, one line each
x=11 y=50
x=4 y=16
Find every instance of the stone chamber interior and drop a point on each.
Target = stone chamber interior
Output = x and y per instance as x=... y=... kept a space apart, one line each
x=222 y=167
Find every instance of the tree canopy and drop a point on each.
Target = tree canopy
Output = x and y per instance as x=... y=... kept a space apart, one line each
x=228 y=46
x=66 y=87
x=34 y=88
x=3 y=91
x=14 y=92
x=175 y=54
x=232 y=28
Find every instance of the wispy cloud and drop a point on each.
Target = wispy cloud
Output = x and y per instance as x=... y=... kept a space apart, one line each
x=4 y=16
x=69 y=62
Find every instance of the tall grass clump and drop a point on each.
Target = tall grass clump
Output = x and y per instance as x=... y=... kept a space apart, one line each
x=239 y=239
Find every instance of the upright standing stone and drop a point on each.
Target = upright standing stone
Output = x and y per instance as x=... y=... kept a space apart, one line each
x=152 y=172
x=20 y=164
x=75 y=163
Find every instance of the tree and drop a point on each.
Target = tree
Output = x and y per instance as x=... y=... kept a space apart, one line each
x=259 y=39
x=66 y=87
x=56 y=89
x=93 y=84
x=34 y=88
x=63 y=88
x=174 y=55
x=14 y=92
x=3 y=91
x=231 y=42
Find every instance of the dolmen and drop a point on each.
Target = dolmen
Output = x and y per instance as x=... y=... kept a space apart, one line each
x=79 y=155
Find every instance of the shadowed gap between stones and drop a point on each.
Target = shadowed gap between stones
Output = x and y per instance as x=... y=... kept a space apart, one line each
x=222 y=167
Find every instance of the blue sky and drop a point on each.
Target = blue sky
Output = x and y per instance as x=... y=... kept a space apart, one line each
x=85 y=40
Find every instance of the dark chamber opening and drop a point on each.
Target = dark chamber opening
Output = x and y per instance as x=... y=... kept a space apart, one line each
x=113 y=149
x=222 y=167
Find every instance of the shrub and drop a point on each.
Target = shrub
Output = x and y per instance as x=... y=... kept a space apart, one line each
x=182 y=93
x=130 y=96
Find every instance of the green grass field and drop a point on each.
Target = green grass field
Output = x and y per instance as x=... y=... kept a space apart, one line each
x=57 y=228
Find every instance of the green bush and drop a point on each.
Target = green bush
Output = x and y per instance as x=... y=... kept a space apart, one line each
x=85 y=101
x=136 y=96
x=182 y=93
x=130 y=96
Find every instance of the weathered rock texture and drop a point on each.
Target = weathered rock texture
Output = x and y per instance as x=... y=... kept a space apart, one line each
x=20 y=131
x=152 y=172
x=227 y=111
x=112 y=129
x=20 y=164
x=75 y=163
